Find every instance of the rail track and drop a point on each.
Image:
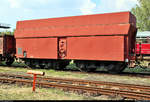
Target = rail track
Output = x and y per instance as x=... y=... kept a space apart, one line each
x=138 y=92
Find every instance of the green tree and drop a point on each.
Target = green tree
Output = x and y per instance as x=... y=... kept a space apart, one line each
x=142 y=13
x=6 y=33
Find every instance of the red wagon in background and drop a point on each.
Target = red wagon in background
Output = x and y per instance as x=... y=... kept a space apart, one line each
x=91 y=41
x=7 y=49
x=143 y=49
x=7 y=46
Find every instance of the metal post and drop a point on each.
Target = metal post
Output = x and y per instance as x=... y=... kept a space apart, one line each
x=148 y=38
x=140 y=48
x=35 y=73
x=34 y=82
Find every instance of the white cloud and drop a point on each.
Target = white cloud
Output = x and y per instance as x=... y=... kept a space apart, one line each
x=15 y=3
x=30 y=3
x=116 y=5
x=14 y=10
x=87 y=7
x=84 y=6
x=125 y=4
x=120 y=4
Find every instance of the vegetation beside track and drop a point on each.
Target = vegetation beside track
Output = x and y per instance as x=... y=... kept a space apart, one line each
x=14 y=92
x=73 y=67
x=73 y=73
x=137 y=70
x=18 y=69
x=54 y=94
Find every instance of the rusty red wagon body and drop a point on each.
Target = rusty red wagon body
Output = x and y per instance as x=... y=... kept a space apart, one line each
x=93 y=39
x=143 y=49
x=7 y=48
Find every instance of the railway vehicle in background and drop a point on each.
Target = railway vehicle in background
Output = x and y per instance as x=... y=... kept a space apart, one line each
x=143 y=48
x=92 y=41
x=7 y=46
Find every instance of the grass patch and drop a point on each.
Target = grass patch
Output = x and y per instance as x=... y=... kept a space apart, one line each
x=137 y=70
x=14 y=92
x=20 y=69
x=72 y=66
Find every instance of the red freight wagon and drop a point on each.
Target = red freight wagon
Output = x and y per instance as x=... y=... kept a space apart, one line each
x=91 y=40
x=7 y=48
x=143 y=54
x=143 y=49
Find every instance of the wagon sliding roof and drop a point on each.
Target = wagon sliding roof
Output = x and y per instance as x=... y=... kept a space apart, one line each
x=98 y=24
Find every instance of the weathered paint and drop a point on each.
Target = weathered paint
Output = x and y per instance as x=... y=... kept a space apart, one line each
x=115 y=23
x=7 y=45
x=119 y=29
x=42 y=48
x=1 y=45
x=107 y=18
x=103 y=37
x=145 y=49
x=104 y=48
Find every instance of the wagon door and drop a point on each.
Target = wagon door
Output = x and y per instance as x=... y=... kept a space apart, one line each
x=62 y=47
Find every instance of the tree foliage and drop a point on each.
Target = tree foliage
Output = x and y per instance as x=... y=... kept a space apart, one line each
x=142 y=13
x=7 y=32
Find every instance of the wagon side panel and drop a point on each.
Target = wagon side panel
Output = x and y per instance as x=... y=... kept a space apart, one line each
x=41 y=48
x=103 y=48
x=9 y=45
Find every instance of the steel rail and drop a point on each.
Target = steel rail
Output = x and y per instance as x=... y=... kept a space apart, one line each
x=98 y=83
x=83 y=89
x=85 y=82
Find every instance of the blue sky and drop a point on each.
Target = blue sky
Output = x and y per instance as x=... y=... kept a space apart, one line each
x=12 y=11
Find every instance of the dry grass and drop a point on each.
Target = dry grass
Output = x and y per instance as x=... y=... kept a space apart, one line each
x=49 y=72
x=88 y=76
x=13 y=92
x=25 y=93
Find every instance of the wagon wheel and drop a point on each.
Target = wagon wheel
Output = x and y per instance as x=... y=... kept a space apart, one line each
x=55 y=65
x=9 y=61
x=63 y=65
x=116 y=68
x=149 y=65
x=42 y=66
x=29 y=64
x=82 y=67
x=92 y=69
x=123 y=66
x=60 y=65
